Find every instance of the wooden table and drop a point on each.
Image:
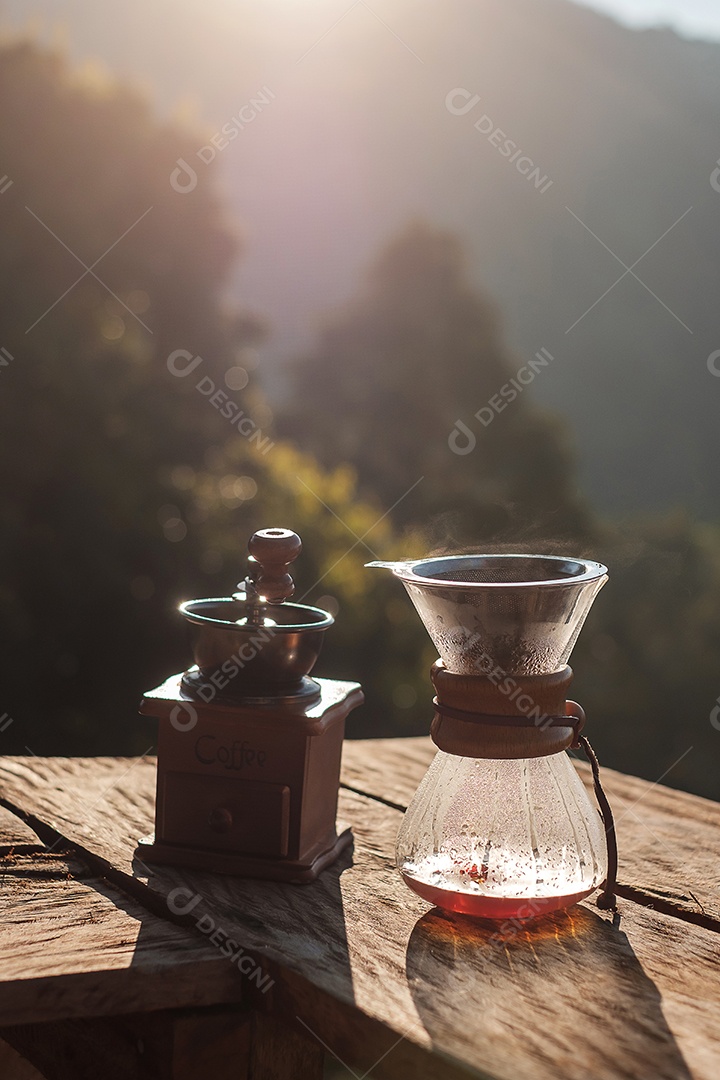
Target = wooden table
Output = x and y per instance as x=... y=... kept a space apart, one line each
x=112 y=969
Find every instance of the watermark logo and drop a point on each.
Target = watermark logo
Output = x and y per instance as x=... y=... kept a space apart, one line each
x=182 y=901
x=460 y=101
x=509 y=930
x=235 y=663
x=504 y=682
x=713 y=363
x=5 y=358
x=179 y=369
x=184 y=178
x=715 y=715
x=462 y=439
x=5 y=721
x=5 y=183
x=181 y=363
x=184 y=717
x=715 y=177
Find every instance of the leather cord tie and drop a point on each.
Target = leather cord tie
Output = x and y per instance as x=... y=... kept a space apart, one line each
x=607 y=900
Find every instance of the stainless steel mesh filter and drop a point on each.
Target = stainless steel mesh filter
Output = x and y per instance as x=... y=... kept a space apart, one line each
x=503 y=569
x=517 y=613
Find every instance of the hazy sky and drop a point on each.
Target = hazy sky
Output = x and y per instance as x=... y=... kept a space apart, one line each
x=692 y=18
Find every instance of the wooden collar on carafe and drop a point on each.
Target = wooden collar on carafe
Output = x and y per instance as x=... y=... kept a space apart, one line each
x=518 y=716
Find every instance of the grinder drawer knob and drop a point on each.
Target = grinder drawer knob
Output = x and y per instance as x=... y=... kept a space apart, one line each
x=220 y=819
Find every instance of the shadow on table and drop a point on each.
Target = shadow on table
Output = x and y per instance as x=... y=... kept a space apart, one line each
x=266 y=936
x=566 y=994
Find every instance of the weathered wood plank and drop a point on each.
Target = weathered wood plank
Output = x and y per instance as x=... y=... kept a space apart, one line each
x=15 y=1067
x=369 y=971
x=104 y=804
x=15 y=835
x=204 y=1044
x=667 y=839
x=220 y=1043
x=278 y=1052
x=73 y=945
x=387 y=769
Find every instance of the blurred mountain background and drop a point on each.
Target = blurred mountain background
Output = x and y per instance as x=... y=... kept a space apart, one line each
x=358 y=140
x=360 y=267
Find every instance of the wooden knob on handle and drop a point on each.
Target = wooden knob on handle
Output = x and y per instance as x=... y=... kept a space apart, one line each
x=272 y=550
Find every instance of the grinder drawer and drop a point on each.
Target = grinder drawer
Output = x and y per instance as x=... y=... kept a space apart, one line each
x=225 y=814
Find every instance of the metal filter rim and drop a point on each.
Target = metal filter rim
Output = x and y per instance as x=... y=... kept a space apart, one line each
x=578 y=571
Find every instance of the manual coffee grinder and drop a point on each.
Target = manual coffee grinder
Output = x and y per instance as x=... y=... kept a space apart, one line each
x=501 y=825
x=249 y=745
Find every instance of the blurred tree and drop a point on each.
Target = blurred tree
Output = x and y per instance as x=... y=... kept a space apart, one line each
x=647 y=663
x=92 y=420
x=417 y=351
x=124 y=489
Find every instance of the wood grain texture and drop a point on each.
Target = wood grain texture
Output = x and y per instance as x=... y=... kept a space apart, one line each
x=73 y=945
x=15 y=1067
x=101 y=805
x=364 y=967
x=199 y=1044
x=15 y=835
x=278 y=1052
x=667 y=840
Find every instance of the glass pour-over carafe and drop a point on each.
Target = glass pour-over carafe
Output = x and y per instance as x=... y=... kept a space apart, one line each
x=507 y=836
